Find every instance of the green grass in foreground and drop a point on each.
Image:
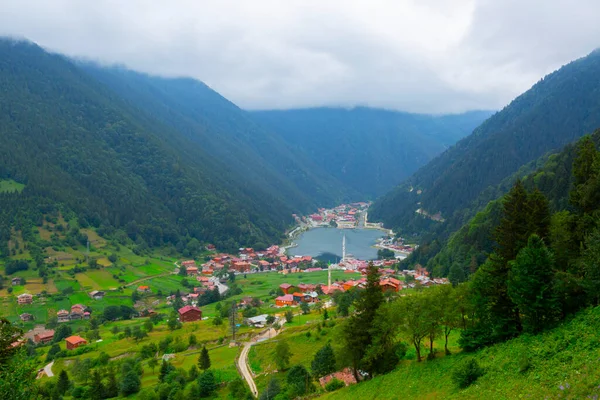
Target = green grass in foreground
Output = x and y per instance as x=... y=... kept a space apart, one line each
x=566 y=357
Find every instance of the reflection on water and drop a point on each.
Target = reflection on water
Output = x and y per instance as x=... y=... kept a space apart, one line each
x=326 y=243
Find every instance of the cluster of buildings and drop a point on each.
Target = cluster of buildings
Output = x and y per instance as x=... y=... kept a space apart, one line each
x=294 y=295
x=344 y=215
x=78 y=311
x=396 y=245
x=248 y=260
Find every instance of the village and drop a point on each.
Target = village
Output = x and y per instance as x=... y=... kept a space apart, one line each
x=216 y=295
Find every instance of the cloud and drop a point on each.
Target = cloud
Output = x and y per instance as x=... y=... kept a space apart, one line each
x=428 y=56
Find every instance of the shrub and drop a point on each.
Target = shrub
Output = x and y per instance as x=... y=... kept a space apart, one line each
x=466 y=373
x=334 y=384
x=524 y=363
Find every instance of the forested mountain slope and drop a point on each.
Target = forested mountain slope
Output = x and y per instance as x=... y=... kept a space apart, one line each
x=229 y=134
x=370 y=150
x=557 y=110
x=75 y=144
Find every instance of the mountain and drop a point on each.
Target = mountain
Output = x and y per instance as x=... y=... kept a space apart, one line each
x=560 y=108
x=229 y=134
x=78 y=147
x=369 y=150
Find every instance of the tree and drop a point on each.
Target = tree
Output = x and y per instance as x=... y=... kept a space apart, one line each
x=414 y=323
x=192 y=340
x=530 y=285
x=96 y=390
x=139 y=334
x=356 y=333
x=590 y=261
x=456 y=274
x=165 y=369
x=282 y=355
x=449 y=303
x=237 y=390
x=324 y=362
x=127 y=331
x=270 y=319
x=299 y=380
x=130 y=383
x=112 y=387
x=62 y=332
x=148 y=325
x=272 y=390
x=325 y=315
x=153 y=363
x=385 y=254
x=305 y=308
x=193 y=373
x=206 y=383
x=173 y=322
x=204 y=359
x=289 y=316
x=63 y=383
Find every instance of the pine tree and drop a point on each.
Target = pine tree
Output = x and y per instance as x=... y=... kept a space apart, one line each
x=324 y=361
x=206 y=383
x=204 y=359
x=130 y=383
x=530 y=285
x=512 y=233
x=356 y=331
x=539 y=214
x=63 y=383
x=112 y=387
x=96 y=390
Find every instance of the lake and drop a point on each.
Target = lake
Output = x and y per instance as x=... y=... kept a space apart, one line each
x=326 y=243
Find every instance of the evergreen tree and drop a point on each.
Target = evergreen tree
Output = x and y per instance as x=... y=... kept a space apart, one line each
x=193 y=373
x=130 y=383
x=96 y=390
x=590 y=264
x=272 y=390
x=165 y=369
x=539 y=214
x=206 y=383
x=356 y=331
x=530 y=285
x=112 y=387
x=63 y=383
x=299 y=380
x=324 y=361
x=204 y=359
x=512 y=233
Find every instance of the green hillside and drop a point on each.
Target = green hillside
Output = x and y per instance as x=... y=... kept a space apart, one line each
x=369 y=150
x=230 y=135
x=469 y=246
x=554 y=112
x=559 y=364
x=77 y=146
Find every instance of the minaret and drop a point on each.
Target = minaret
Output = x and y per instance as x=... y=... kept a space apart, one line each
x=344 y=248
x=329 y=276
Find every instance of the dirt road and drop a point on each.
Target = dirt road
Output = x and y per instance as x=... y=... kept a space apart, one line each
x=243 y=366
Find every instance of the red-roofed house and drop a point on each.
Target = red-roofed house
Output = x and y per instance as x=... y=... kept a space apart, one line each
x=143 y=288
x=285 y=287
x=190 y=314
x=44 y=337
x=345 y=376
x=286 y=300
x=191 y=270
x=74 y=342
x=389 y=285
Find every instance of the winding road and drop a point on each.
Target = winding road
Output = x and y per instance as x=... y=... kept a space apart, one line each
x=243 y=366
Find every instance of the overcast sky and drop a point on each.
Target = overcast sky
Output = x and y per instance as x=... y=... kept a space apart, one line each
x=429 y=56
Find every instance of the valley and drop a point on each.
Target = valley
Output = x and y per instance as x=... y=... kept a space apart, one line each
x=303 y=237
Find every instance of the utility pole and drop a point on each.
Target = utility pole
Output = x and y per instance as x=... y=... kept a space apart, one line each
x=88 y=252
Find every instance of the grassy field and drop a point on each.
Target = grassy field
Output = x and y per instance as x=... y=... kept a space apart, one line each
x=564 y=364
x=8 y=185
